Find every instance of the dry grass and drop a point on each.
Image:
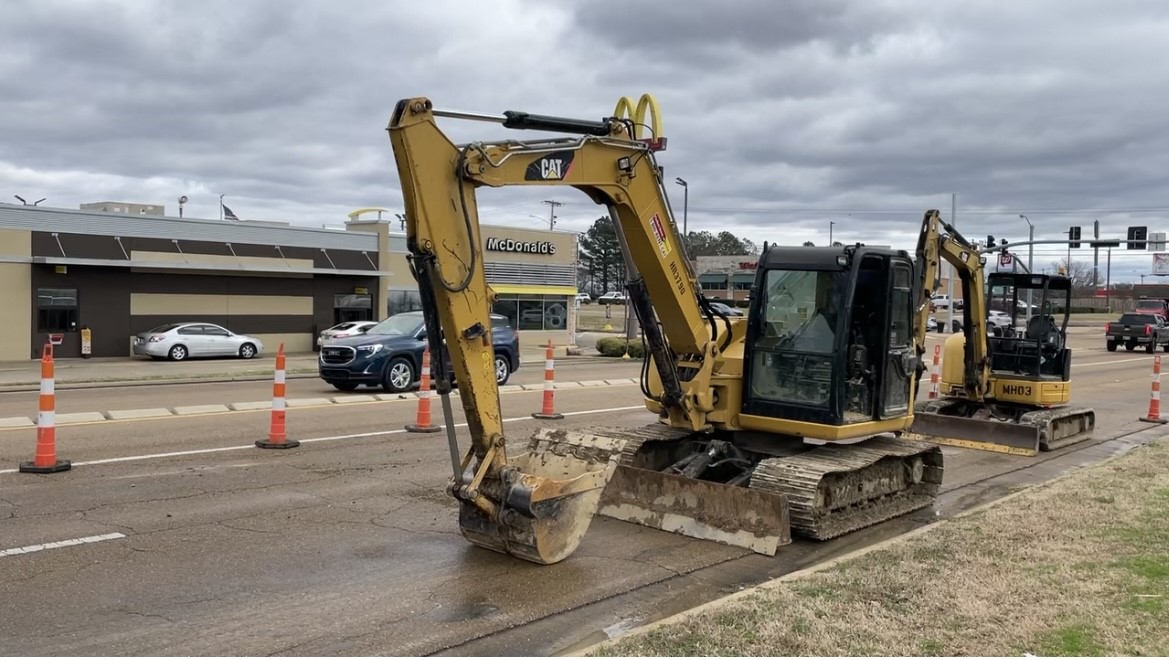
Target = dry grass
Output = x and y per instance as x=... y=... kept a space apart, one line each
x=1078 y=567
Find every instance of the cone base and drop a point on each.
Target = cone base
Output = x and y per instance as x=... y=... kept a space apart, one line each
x=285 y=444
x=415 y=428
x=1155 y=420
x=554 y=415
x=60 y=466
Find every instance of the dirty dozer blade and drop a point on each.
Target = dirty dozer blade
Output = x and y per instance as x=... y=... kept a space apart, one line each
x=1002 y=429
x=819 y=492
x=544 y=499
x=733 y=515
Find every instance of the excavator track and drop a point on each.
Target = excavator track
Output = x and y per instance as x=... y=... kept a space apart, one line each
x=833 y=490
x=816 y=491
x=959 y=423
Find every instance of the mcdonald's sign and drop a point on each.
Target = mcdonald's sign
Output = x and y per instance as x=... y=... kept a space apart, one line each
x=637 y=114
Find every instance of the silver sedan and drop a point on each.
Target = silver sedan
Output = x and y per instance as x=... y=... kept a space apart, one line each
x=179 y=341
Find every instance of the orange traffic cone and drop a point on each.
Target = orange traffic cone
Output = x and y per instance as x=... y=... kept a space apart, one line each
x=935 y=373
x=277 y=433
x=422 y=421
x=547 y=411
x=1155 y=396
x=45 y=459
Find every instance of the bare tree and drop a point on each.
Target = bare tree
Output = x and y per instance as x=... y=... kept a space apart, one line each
x=1079 y=272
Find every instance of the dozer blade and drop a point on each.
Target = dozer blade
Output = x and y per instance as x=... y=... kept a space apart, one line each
x=945 y=423
x=546 y=498
x=733 y=515
x=984 y=434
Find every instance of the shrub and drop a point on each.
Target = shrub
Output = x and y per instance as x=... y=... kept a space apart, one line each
x=615 y=347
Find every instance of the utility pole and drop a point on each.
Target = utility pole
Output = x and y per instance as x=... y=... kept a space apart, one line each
x=1108 y=284
x=830 y=224
x=1030 y=257
x=1096 y=254
x=552 y=212
x=950 y=269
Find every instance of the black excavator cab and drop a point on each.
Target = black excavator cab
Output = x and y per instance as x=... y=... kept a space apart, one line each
x=1034 y=344
x=830 y=335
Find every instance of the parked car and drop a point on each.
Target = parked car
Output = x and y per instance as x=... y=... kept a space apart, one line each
x=346 y=329
x=1134 y=330
x=179 y=341
x=389 y=354
x=725 y=308
x=612 y=298
x=584 y=298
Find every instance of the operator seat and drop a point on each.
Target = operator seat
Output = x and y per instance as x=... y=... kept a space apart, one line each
x=1043 y=329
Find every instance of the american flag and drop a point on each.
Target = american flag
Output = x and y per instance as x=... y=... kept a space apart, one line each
x=227 y=214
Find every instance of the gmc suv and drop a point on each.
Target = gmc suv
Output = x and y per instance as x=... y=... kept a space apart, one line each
x=389 y=354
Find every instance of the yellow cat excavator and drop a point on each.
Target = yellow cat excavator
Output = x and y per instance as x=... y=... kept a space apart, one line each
x=783 y=421
x=1006 y=391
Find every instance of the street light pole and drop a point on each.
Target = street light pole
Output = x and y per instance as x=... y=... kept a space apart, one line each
x=830 y=224
x=685 y=205
x=1030 y=257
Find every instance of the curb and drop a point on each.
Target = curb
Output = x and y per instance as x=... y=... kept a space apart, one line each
x=1154 y=434
x=34 y=385
x=69 y=419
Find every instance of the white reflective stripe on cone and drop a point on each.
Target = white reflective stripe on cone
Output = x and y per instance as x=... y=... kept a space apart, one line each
x=47 y=386
x=46 y=418
x=279 y=375
x=548 y=364
x=278 y=403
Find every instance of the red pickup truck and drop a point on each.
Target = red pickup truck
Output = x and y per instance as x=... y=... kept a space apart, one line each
x=1152 y=306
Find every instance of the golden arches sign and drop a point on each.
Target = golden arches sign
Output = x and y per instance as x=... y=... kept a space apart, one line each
x=637 y=114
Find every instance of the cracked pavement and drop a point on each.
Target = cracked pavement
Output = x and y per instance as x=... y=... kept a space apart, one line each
x=349 y=546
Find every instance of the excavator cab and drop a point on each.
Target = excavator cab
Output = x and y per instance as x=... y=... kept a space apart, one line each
x=1034 y=345
x=830 y=337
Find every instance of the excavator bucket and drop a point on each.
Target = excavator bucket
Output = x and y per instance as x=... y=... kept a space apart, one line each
x=547 y=497
x=733 y=515
x=960 y=424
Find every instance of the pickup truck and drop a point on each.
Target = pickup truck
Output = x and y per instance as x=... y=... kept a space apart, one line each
x=1132 y=330
x=1152 y=306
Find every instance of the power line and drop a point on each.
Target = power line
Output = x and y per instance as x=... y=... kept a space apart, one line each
x=552 y=211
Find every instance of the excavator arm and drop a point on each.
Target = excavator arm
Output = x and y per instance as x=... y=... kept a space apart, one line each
x=539 y=505
x=939 y=240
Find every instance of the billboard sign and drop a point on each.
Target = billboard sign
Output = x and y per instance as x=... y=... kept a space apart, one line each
x=1161 y=263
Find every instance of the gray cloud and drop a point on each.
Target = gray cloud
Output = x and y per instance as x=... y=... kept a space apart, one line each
x=782 y=116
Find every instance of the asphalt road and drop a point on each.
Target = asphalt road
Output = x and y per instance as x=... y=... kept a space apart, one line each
x=347 y=545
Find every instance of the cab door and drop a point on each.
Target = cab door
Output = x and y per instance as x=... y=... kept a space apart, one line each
x=901 y=359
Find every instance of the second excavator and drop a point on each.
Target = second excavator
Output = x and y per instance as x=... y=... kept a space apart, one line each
x=783 y=421
x=1007 y=392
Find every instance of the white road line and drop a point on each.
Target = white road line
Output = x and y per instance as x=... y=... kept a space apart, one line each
x=60 y=544
x=1110 y=362
x=351 y=436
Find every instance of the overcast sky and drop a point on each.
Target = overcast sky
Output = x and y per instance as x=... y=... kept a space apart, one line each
x=782 y=116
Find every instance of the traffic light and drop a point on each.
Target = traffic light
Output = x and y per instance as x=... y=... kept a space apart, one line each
x=1074 y=237
x=1138 y=234
x=989 y=240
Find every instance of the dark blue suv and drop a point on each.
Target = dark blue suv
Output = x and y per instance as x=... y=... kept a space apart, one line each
x=389 y=354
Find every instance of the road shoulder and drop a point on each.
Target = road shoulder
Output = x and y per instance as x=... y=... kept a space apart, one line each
x=1074 y=566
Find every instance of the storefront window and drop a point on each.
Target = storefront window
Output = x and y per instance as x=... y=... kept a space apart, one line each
x=508 y=308
x=534 y=312
x=56 y=310
x=403 y=300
